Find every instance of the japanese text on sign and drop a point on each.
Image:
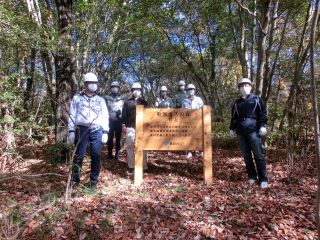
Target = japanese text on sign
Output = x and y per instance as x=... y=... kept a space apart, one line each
x=172 y=129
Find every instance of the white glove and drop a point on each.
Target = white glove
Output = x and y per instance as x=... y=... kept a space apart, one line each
x=262 y=131
x=104 y=138
x=231 y=134
x=71 y=137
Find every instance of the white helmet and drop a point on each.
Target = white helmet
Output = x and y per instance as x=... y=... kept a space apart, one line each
x=136 y=85
x=181 y=83
x=163 y=88
x=115 y=84
x=244 y=80
x=190 y=86
x=90 y=77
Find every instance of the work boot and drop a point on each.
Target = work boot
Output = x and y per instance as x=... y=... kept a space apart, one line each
x=130 y=170
x=252 y=181
x=116 y=157
x=110 y=157
x=92 y=185
x=74 y=184
x=263 y=185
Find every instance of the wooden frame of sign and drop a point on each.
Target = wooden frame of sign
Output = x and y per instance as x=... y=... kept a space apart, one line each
x=173 y=129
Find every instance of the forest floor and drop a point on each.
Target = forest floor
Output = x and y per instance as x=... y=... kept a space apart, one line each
x=172 y=203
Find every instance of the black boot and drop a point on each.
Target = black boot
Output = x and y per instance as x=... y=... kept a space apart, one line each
x=91 y=186
x=110 y=157
x=116 y=157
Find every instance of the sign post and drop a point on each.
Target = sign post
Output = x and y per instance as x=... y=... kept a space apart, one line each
x=170 y=130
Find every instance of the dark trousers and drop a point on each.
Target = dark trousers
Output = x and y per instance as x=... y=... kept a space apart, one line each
x=84 y=136
x=251 y=143
x=115 y=129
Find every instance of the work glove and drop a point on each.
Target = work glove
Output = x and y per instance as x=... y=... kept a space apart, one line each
x=124 y=129
x=71 y=137
x=231 y=134
x=262 y=131
x=104 y=138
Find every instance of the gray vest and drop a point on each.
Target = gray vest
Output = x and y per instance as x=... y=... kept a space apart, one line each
x=115 y=105
x=178 y=99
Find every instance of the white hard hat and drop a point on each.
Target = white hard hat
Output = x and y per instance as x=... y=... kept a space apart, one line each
x=90 y=77
x=244 y=80
x=190 y=86
x=136 y=85
x=115 y=84
x=163 y=88
x=181 y=83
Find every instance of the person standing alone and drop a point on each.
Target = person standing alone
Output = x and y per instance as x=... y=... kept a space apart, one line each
x=248 y=121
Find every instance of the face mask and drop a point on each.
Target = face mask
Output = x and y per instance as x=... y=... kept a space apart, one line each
x=181 y=88
x=136 y=93
x=244 y=91
x=163 y=94
x=92 y=87
x=114 y=90
x=191 y=92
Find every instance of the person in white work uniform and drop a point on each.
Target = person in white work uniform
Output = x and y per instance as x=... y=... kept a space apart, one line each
x=192 y=102
x=88 y=123
x=164 y=101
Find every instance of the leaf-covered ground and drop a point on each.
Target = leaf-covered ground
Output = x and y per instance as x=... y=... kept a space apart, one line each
x=173 y=202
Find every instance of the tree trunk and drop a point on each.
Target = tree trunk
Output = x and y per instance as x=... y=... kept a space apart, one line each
x=243 y=45
x=267 y=75
x=263 y=30
x=30 y=79
x=275 y=61
x=65 y=68
x=315 y=106
x=300 y=59
x=213 y=81
x=240 y=46
x=253 y=44
x=47 y=69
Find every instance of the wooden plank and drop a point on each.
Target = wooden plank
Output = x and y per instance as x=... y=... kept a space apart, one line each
x=207 y=145
x=172 y=129
x=138 y=169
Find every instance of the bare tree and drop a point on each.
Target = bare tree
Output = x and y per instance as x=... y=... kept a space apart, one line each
x=262 y=38
x=65 y=66
x=315 y=105
x=240 y=43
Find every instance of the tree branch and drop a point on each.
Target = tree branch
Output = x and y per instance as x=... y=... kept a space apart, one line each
x=249 y=12
x=33 y=175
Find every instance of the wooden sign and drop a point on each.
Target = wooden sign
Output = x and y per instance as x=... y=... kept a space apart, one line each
x=170 y=130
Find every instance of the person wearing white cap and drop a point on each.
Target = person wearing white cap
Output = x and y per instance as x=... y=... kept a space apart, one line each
x=192 y=102
x=163 y=101
x=115 y=104
x=181 y=95
x=248 y=120
x=88 y=123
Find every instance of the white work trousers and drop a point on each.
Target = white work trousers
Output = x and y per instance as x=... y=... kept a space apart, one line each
x=129 y=146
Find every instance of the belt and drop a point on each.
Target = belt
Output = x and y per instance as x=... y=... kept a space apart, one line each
x=92 y=129
x=244 y=118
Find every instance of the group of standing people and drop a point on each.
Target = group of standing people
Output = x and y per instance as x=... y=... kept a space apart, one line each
x=96 y=120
